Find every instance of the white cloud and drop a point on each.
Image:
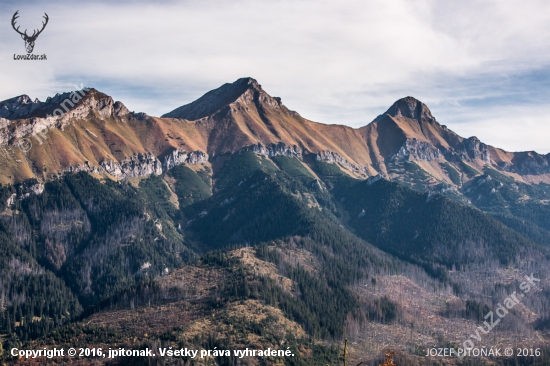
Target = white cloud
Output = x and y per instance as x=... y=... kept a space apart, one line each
x=517 y=128
x=332 y=61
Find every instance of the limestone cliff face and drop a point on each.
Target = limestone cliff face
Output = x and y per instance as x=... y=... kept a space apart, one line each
x=415 y=150
x=272 y=150
x=475 y=149
x=179 y=156
x=331 y=157
x=139 y=165
x=142 y=165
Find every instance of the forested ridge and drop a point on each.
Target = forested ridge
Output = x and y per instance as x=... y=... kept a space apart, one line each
x=411 y=224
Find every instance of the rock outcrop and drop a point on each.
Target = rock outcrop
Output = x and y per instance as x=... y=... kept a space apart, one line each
x=142 y=165
x=26 y=189
x=415 y=150
x=272 y=150
x=372 y=180
x=178 y=157
x=331 y=157
x=475 y=149
x=528 y=163
x=139 y=165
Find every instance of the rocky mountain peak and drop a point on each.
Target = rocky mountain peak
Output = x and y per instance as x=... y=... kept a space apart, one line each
x=23 y=106
x=216 y=99
x=411 y=107
x=10 y=106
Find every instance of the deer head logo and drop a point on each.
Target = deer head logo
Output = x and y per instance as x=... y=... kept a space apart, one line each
x=29 y=40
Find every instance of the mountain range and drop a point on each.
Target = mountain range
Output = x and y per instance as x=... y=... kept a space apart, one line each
x=234 y=222
x=98 y=132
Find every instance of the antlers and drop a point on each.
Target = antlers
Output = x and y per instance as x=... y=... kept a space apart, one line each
x=15 y=16
x=43 y=26
x=35 y=33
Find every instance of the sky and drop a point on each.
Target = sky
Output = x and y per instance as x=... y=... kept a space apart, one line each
x=482 y=67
